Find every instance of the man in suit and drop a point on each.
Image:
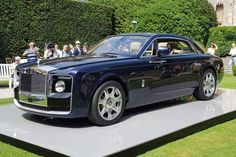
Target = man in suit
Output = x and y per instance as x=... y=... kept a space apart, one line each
x=78 y=50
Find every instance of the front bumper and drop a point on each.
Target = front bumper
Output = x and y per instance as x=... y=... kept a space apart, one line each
x=41 y=112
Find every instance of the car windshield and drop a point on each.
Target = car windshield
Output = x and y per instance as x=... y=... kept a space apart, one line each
x=129 y=45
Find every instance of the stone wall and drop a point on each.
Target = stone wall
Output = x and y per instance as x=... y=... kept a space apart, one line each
x=226 y=11
x=227 y=68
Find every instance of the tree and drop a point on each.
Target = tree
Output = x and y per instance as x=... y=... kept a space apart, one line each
x=191 y=18
x=223 y=37
x=125 y=11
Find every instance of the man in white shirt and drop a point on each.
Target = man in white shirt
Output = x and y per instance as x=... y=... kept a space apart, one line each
x=12 y=70
x=50 y=51
x=233 y=54
x=59 y=52
x=212 y=50
x=233 y=50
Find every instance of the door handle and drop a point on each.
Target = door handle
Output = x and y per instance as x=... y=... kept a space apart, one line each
x=157 y=61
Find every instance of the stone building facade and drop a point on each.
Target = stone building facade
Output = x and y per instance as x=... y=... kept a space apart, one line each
x=226 y=11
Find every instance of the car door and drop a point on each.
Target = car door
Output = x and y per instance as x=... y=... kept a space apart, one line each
x=162 y=77
x=173 y=73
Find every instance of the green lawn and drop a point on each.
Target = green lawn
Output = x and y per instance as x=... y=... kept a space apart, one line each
x=7 y=150
x=229 y=81
x=218 y=141
x=4 y=83
x=6 y=101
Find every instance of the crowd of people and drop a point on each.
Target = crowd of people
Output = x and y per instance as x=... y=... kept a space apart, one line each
x=52 y=50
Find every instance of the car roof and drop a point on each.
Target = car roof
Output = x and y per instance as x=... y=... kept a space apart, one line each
x=155 y=35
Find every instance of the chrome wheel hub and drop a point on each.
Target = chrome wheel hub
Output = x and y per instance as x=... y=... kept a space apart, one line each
x=209 y=85
x=110 y=103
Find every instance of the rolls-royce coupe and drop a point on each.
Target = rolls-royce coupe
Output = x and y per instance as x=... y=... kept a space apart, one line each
x=120 y=72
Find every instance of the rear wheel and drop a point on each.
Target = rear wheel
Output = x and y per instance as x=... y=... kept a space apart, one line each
x=108 y=104
x=207 y=86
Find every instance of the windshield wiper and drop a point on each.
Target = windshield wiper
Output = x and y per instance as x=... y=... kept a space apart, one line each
x=110 y=53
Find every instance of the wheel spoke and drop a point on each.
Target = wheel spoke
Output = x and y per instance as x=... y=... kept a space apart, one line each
x=210 y=90
x=117 y=99
x=109 y=115
x=212 y=84
x=110 y=91
x=206 y=78
x=104 y=110
x=212 y=78
x=102 y=101
x=207 y=92
x=116 y=109
x=107 y=93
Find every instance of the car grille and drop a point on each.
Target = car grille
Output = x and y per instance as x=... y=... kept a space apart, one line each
x=33 y=83
x=32 y=92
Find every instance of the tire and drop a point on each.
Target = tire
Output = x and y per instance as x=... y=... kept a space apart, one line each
x=108 y=104
x=207 y=86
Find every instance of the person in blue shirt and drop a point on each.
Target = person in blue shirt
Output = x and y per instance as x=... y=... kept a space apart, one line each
x=66 y=52
x=32 y=52
x=77 y=50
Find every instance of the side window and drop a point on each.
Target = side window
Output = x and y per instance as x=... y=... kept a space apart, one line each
x=149 y=51
x=175 y=47
x=198 y=48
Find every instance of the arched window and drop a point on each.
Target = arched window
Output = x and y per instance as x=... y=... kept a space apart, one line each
x=220 y=13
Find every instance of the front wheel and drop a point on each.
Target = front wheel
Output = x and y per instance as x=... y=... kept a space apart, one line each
x=207 y=86
x=108 y=104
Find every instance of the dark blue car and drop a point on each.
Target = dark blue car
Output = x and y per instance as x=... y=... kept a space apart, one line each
x=121 y=72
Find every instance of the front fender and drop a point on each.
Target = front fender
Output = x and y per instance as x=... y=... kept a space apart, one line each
x=89 y=84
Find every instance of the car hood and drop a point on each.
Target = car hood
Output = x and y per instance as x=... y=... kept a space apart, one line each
x=61 y=63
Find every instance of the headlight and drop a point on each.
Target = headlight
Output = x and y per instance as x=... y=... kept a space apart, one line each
x=60 y=86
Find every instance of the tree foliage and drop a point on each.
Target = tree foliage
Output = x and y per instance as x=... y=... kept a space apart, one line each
x=223 y=37
x=60 y=21
x=125 y=11
x=191 y=18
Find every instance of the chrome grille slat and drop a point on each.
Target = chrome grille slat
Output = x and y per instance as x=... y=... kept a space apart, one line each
x=36 y=84
x=32 y=87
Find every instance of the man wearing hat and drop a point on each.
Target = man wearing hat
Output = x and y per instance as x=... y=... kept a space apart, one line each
x=32 y=52
x=77 y=50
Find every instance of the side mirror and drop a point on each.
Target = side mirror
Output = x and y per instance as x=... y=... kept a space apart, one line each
x=163 y=51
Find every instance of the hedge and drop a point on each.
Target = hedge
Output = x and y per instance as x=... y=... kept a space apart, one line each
x=125 y=12
x=191 y=18
x=41 y=21
x=223 y=37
